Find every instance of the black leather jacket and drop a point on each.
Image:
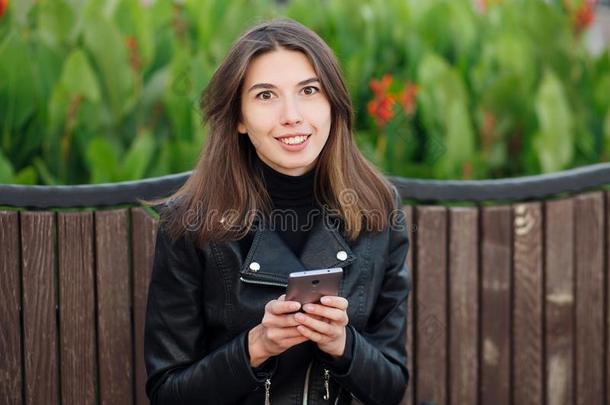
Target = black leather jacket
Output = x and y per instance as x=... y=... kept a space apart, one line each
x=203 y=302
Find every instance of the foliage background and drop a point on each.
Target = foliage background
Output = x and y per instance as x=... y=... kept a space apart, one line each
x=107 y=90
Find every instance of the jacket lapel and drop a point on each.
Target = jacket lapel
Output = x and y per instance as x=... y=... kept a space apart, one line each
x=270 y=260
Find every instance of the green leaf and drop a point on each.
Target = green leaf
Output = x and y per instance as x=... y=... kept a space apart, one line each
x=21 y=9
x=607 y=135
x=44 y=172
x=554 y=142
x=6 y=170
x=138 y=157
x=17 y=89
x=444 y=106
x=26 y=176
x=112 y=62
x=56 y=20
x=78 y=78
x=162 y=164
x=102 y=161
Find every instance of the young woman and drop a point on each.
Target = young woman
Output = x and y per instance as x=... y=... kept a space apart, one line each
x=280 y=187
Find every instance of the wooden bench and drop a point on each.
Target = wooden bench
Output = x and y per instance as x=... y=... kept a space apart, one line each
x=509 y=302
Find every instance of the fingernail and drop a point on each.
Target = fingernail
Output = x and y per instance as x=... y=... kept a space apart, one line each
x=325 y=300
x=295 y=306
x=308 y=307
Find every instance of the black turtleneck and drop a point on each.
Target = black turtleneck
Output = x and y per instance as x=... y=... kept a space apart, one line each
x=293 y=203
x=293 y=198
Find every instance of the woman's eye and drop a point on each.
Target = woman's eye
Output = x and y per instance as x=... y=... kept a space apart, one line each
x=264 y=93
x=312 y=90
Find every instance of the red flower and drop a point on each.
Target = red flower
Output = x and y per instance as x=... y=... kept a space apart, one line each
x=381 y=87
x=407 y=97
x=583 y=15
x=3 y=7
x=381 y=108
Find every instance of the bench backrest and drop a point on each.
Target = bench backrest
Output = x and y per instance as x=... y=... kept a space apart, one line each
x=508 y=304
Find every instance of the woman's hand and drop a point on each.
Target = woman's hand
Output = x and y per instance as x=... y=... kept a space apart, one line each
x=325 y=324
x=276 y=333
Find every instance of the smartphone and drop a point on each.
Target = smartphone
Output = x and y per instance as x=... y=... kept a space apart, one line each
x=311 y=285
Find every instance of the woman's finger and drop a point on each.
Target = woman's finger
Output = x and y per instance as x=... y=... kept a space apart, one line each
x=335 y=302
x=311 y=334
x=333 y=314
x=279 y=334
x=278 y=307
x=314 y=324
x=295 y=340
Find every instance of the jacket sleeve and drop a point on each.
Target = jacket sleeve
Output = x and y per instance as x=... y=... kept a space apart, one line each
x=179 y=369
x=381 y=346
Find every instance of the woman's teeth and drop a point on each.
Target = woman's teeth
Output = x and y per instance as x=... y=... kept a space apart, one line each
x=294 y=140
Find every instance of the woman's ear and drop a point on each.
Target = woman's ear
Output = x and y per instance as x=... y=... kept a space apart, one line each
x=241 y=128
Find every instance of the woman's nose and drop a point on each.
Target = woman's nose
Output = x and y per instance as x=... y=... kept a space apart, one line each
x=291 y=113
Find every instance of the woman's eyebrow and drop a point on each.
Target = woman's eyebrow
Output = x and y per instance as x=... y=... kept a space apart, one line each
x=271 y=86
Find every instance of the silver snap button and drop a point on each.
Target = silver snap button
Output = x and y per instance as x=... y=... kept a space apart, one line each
x=341 y=255
x=254 y=266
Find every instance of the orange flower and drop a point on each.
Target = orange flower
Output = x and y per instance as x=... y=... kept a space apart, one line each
x=407 y=97
x=3 y=7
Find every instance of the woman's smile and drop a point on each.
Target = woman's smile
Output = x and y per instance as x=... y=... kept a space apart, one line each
x=294 y=143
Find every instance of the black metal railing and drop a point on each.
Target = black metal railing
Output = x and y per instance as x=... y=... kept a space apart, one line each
x=129 y=192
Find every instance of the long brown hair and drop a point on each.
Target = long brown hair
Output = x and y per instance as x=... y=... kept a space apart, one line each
x=217 y=201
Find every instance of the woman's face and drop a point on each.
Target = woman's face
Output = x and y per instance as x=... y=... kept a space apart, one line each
x=285 y=111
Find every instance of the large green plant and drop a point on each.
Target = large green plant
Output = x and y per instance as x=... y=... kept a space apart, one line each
x=99 y=90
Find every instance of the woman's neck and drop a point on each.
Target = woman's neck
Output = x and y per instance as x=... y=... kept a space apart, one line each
x=288 y=191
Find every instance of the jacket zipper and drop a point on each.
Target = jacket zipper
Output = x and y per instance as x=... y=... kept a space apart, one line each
x=306 y=386
x=326 y=385
x=268 y=391
x=263 y=282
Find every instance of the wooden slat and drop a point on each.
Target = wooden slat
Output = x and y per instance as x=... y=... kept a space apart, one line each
x=527 y=305
x=77 y=308
x=39 y=303
x=10 y=323
x=408 y=398
x=114 y=323
x=559 y=301
x=589 y=220
x=463 y=305
x=496 y=252
x=143 y=234
x=431 y=284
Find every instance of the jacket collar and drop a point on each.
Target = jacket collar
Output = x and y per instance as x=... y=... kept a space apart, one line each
x=270 y=260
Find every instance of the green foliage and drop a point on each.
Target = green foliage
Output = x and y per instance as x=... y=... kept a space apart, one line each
x=102 y=91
